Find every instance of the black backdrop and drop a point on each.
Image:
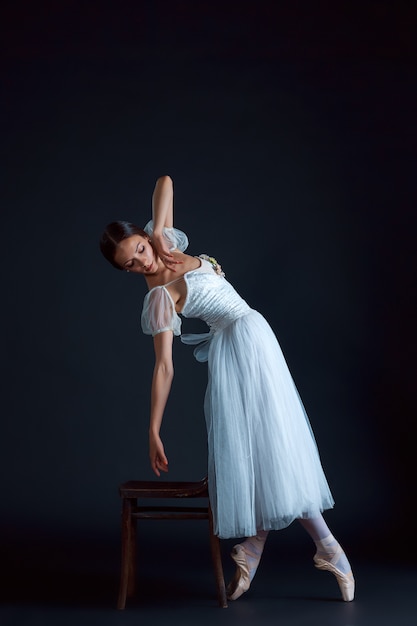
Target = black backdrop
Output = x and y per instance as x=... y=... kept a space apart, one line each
x=289 y=136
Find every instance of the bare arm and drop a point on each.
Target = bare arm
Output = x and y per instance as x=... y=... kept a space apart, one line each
x=161 y=386
x=163 y=217
x=163 y=204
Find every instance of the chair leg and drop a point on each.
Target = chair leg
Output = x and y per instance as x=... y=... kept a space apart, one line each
x=217 y=563
x=132 y=558
x=127 y=567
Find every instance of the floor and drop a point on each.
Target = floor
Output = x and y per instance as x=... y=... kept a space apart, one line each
x=76 y=584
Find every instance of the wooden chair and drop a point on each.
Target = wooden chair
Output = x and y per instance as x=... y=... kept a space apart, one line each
x=135 y=490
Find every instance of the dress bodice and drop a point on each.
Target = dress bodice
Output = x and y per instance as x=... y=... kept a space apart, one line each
x=212 y=298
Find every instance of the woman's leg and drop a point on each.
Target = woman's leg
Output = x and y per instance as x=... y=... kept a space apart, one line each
x=330 y=556
x=246 y=555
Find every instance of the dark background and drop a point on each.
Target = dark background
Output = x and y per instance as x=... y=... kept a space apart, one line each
x=290 y=135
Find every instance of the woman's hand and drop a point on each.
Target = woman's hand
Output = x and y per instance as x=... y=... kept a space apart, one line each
x=164 y=252
x=161 y=385
x=159 y=462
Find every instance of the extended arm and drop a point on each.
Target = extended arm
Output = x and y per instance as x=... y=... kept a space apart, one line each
x=161 y=386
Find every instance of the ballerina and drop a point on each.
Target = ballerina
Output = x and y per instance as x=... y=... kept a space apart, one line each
x=264 y=468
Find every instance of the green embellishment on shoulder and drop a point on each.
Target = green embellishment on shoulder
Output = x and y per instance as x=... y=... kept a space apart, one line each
x=216 y=266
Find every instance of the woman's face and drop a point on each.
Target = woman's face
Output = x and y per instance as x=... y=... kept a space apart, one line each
x=135 y=254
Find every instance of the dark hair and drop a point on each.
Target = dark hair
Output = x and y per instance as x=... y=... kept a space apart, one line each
x=113 y=234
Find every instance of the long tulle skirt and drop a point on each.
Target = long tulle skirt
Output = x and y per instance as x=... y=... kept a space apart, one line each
x=264 y=466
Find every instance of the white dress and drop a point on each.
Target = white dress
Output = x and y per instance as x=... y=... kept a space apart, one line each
x=264 y=468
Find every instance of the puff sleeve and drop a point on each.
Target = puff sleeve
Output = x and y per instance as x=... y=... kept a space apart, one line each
x=176 y=239
x=159 y=314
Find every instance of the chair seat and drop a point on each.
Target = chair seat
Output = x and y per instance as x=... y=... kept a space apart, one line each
x=163 y=489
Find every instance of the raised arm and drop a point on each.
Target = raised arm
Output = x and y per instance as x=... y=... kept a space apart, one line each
x=163 y=204
x=163 y=217
x=161 y=386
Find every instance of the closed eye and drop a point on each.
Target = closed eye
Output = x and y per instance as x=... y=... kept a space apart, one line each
x=139 y=250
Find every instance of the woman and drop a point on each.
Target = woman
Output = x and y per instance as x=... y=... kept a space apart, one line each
x=264 y=468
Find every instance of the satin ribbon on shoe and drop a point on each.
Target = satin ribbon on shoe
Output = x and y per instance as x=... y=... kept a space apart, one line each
x=346 y=582
x=240 y=583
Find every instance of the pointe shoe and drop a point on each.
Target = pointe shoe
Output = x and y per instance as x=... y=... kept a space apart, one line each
x=346 y=581
x=240 y=582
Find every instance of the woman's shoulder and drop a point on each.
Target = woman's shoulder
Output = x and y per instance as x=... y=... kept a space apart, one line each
x=156 y=296
x=158 y=312
x=186 y=264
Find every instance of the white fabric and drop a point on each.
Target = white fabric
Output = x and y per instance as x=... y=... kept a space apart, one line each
x=158 y=313
x=176 y=239
x=263 y=465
